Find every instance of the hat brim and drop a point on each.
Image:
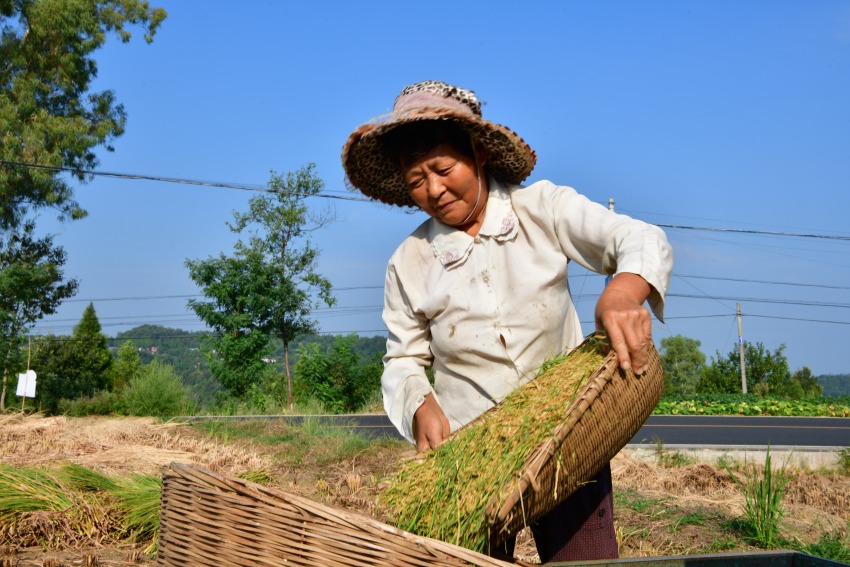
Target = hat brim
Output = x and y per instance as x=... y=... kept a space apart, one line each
x=370 y=168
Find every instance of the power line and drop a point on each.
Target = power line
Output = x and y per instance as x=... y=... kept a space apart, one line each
x=758 y=232
x=758 y=300
x=178 y=180
x=575 y=297
x=260 y=188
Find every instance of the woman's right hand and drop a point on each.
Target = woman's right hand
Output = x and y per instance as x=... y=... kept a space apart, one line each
x=430 y=425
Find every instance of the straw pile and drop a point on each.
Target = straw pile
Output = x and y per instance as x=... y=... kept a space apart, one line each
x=444 y=495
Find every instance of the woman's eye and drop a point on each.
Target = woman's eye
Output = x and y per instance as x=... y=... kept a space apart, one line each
x=445 y=170
x=414 y=183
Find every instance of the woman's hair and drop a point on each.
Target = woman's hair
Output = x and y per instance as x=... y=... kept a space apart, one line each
x=415 y=139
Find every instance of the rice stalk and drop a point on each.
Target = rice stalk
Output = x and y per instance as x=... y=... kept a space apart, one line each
x=444 y=494
x=34 y=500
x=138 y=498
x=85 y=479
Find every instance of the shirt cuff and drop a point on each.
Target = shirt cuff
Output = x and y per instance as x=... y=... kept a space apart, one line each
x=415 y=397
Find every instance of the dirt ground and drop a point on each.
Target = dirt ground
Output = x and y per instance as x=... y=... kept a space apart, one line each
x=658 y=510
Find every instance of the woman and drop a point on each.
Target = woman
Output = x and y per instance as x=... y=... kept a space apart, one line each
x=479 y=292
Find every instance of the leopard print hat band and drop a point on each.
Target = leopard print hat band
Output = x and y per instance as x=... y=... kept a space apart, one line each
x=372 y=171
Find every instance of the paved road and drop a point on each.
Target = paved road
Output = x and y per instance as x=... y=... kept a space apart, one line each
x=669 y=429
x=735 y=430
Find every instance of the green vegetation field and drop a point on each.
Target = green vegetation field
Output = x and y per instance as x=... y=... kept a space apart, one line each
x=739 y=404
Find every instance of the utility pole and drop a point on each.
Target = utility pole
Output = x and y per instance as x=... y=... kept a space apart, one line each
x=741 y=348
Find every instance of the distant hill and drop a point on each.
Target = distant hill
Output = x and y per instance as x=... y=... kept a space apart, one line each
x=835 y=384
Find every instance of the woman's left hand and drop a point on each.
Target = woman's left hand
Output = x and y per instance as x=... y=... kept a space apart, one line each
x=627 y=323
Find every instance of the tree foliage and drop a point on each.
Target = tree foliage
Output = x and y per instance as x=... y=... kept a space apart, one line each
x=765 y=371
x=835 y=384
x=683 y=364
x=179 y=349
x=269 y=286
x=238 y=309
x=31 y=286
x=49 y=116
x=72 y=367
x=337 y=377
x=127 y=366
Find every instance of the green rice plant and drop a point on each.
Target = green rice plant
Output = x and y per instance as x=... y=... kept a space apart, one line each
x=444 y=494
x=138 y=498
x=763 y=508
x=82 y=478
x=37 y=490
x=30 y=490
x=258 y=476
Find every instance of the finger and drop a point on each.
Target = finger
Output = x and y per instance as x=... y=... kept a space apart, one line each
x=640 y=336
x=422 y=445
x=618 y=343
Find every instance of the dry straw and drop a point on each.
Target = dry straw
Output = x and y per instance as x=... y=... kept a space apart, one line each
x=518 y=460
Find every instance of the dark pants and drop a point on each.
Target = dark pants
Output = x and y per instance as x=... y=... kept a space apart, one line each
x=581 y=527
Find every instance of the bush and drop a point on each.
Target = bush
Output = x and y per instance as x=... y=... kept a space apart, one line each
x=102 y=403
x=157 y=391
x=337 y=378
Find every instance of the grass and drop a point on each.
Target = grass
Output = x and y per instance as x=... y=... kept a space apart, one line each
x=763 y=492
x=834 y=546
x=312 y=442
x=844 y=461
x=669 y=459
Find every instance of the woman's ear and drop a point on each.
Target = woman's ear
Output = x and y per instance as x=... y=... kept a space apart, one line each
x=480 y=153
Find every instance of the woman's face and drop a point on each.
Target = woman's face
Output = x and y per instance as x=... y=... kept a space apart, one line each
x=445 y=184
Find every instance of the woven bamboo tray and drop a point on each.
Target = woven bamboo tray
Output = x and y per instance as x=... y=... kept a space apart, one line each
x=605 y=415
x=210 y=520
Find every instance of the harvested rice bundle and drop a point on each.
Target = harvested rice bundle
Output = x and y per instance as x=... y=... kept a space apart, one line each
x=444 y=495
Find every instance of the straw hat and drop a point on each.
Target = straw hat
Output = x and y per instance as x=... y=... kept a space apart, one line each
x=373 y=170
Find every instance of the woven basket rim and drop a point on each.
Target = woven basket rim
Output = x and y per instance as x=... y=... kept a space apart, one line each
x=511 y=499
x=350 y=519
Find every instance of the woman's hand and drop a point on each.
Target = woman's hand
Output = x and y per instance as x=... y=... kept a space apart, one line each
x=627 y=323
x=430 y=425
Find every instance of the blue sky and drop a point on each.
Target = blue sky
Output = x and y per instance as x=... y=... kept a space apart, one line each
x=713 y=114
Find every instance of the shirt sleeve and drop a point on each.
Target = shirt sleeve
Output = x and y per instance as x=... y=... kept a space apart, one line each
x=610 y=243
x=404 y=383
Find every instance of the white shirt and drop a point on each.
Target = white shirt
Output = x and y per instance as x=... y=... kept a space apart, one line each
x=486 y=311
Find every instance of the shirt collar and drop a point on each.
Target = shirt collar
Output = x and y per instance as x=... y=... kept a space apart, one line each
x=452 y=246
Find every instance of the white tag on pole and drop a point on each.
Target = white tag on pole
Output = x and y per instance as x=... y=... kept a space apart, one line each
x=26 y=384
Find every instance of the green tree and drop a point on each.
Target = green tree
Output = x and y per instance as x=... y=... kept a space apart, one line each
x=683 y=364
x=237 y=308
x=280 y=260
x=765 y=371
x=127 y=365
x=94 y=346
x=72 y=367
x=808 y=382
x=31 y=286
x=337 y=377
x=50 y=119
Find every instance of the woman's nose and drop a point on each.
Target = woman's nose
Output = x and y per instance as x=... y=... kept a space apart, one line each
x=435 y=186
